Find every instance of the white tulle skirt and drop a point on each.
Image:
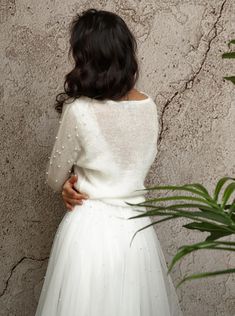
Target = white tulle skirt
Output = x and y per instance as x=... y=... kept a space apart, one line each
x=93 y=270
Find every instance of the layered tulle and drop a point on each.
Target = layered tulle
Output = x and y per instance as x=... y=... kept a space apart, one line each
x=94 y=270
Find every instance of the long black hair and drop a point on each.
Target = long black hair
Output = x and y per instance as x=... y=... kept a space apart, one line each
x=104 y=51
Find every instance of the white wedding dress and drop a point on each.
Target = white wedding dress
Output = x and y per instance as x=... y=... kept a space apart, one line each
x=93 y=268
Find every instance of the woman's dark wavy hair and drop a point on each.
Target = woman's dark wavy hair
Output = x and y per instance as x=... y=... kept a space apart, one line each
x=104 y=52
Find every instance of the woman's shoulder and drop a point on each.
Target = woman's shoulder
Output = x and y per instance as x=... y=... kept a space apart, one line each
x=75 y=104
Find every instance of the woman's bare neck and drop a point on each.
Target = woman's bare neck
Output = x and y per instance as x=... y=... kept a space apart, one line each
x=133 y=95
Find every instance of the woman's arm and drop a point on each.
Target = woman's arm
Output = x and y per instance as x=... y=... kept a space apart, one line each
x=66 y=149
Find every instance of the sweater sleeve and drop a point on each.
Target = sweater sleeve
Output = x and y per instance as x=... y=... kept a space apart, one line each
x=65 y=151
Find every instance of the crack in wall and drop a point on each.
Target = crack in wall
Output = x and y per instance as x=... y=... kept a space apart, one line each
x=190 y=82
x=15 y=266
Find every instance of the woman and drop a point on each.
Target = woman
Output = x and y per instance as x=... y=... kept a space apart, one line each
x=107 y=138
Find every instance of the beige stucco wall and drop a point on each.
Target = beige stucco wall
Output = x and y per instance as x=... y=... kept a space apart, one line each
x=180 y=47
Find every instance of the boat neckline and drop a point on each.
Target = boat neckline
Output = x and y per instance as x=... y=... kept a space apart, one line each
x=130 y=101
x=122 y=101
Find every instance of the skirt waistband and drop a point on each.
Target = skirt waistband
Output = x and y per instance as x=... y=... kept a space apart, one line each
x=114 y=203
x=120 y=201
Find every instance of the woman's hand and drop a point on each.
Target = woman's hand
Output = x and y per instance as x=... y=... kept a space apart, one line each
x=70 y=195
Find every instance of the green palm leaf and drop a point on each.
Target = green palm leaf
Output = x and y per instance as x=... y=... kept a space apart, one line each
x=192 y=188
x=205 y=274
x=186 y=187
x=216 y=231
x=230 y=78
x=219 y=186
x=232 y=208
x=153 y=223
x=227 y=193
x=198 y=187
x=228 y=55
x=231 y=42
x=186 y=249
x=222 y=218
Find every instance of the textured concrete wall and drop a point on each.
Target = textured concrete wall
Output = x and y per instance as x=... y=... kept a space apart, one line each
x=180 y=47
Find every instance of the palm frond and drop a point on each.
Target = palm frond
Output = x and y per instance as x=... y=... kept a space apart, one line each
x=204 y=275
x=208 y=214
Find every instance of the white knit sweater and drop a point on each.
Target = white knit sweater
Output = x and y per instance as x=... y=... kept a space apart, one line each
x=110 y=144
